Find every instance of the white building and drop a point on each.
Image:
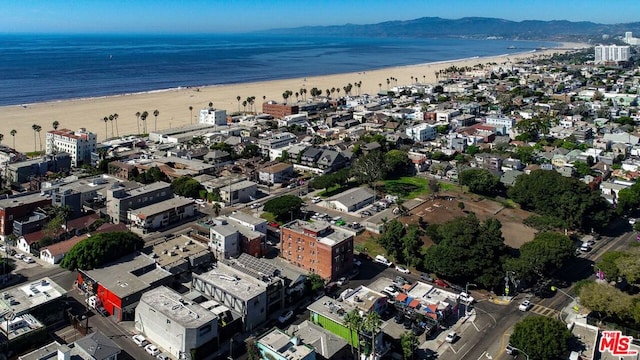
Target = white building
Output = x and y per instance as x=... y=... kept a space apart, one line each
x=421 y=132
x=629 y=39
x=503 y=124
x=173 y=322
x=224 y=239
x=213 y=116
x=79 y=144
x=606 y=53
x=295 y=119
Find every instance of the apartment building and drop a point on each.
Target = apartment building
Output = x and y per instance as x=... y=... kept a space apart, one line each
x=279 y=110
x=213 y=116
x=611 y=53
x=317 y=247
x=79 y=144
x=19 y=207
x=421 y=132
x=121 y=200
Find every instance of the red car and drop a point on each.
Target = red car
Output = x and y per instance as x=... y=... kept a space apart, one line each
x=274 y=224
x=441 y=283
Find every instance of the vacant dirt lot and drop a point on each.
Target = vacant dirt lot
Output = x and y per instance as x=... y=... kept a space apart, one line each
x=445 y=208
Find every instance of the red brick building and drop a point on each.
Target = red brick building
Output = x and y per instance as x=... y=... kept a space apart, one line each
x=279 y=110
x=317 y=247
x=18 y=207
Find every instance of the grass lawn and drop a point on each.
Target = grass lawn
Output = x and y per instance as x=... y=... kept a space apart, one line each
x=268 y=216
x=447 y=186
x=406 y=187
x=336 y=189
x=366 y=241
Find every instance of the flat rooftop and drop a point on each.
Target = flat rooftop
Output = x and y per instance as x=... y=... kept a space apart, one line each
x=336 y=237
x=141 y=190
x=363 y=298
x=327 y=234
x=119 y=276
x=184 y=129
x=161 y=207
x=431 y=295
x=22 y=298
x=234 y=282
x=286 y=346
x=332 y=308
x=177 y=250
x=177 y=308
x=247 y=218
x=21 y=200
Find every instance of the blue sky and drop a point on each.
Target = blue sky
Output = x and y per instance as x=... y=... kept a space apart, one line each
x=224 y=16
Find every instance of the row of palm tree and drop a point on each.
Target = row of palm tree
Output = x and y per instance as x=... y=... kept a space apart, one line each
x=111 y=118
x=36 y=130
x=370 y=323
x=142 y=116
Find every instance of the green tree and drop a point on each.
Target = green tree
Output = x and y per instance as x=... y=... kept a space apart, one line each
x=186 y=186
x=541 y=338
x=606 y=300
x=409 y=343
x=100 y=248
x=316 y=283
x=283 y=206
x=369 y=168
x=253 y=352
x=582 y=168
x=411 y=246
x=480 y=181
x=629 y=265
x=571 y=200
x=391 y=239
x=249 y=151
x=472 y=150
x=468 y=251
x=398 y=163
x=543 y=256
x=354 y=322
x=372 y=323
x=608 y=264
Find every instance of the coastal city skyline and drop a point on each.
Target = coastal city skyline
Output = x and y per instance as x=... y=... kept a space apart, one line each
x=198 y=16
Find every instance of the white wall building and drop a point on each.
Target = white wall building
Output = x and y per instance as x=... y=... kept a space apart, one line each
x=224 y=239
x=295 y=119
x=605 y=53
x=79 y=144
x=213 y=117
x=173 y=322
x=629 y=39
x=421 y=132
x=501 y=122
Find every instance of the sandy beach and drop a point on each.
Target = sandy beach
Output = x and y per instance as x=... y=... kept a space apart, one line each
x=173 y=105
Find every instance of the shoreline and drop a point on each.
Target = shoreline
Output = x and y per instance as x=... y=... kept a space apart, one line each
x=173 y=103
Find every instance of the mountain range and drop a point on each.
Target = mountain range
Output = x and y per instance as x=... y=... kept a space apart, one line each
x=472 y=27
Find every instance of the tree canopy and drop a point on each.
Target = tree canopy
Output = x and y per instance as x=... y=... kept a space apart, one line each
x=468 y=251
x=283 y=206
x=187 y=186
x=543 y=256
x=570 y=200
x=101 y=248
x=480 y=181
x=402 y=243
x=398 y=163
x=369 y=168
x=541 y=337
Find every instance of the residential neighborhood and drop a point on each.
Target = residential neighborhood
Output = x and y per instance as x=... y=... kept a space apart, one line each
x=412 y=223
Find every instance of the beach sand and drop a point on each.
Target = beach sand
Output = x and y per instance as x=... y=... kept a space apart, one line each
x=173 y=105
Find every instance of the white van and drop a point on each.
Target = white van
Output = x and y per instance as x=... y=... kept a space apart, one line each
x=382 y=260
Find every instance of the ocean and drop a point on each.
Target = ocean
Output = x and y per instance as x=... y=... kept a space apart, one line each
x=37 y=68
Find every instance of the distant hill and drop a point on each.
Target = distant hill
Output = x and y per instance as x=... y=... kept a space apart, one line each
x=471 y=27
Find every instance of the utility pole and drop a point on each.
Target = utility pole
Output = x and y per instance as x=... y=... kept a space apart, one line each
x=230 y=349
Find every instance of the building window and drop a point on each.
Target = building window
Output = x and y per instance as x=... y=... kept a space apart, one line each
x=205 y=329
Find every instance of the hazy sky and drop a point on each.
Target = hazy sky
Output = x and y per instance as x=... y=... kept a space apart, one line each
x=218 y=16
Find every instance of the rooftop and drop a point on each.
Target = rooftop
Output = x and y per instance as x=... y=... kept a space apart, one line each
x=177 y=308
x=247 y=218
x=326 y=343
x=161 y=207
x=129 y=274
x=21 y=200
x=353 y=196
x=363 y=298
x=233 y=282
x=177 y=250
x=238 y=185
x=332 y=308
x=22 y=298
x=289 y=347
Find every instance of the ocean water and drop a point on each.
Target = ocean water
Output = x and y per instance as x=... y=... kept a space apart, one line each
x=36 y=68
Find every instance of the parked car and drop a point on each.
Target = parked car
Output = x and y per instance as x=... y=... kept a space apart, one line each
x=19 y=255
x=585 y=248
x=255 y=205
x=511 y=350
x=451 y=337
x=343 y=280
x=389 y=290
x=365 y=213
x=426 y=277
x=316 y=200
x=152 y=350
x=163 y=356
x=399 y=318
x=285 y=317
x=401 y=281
x=403 y=269
x=28 y=259
x=357 y=262
x=383 y=260
x=139 y=340
x=466 y=298
x=525 y=305
x=441 y=283
x=632 y=221
x=407 y=324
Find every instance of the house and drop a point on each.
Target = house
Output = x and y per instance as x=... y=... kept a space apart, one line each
x=276 y=344
x=509 y=177
x=95 y=346
x=54 y=253
x=162 y=214
x=218 y=158
x=276 y=173
x=352 y=199
x=327 y=344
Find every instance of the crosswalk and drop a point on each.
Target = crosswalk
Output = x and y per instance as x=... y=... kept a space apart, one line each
x=544 y=311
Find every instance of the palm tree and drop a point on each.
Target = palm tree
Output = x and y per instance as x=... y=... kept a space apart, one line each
x=65 y=213
x=353 y=321
x=238 y=98
x=38 y=129
x=285 y=96
x=216 y=208
x=210 y=104
x=115 y=117
x=388 y=82
x=111 y=121
x=155 y=122
x=143 y=117
x=105 y=119
x=1 y=138
x=191 y=111
x=244 y=106
x=138 y=121
x=379 y=87
x=55 y=124
x=13 y=133
x=372 y=323
x=35 y=141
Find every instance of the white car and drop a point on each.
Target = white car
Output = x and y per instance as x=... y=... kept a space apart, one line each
x=451 y=337
x=316 y=200
x=403 y=269
x=466 y=298
x=139 y=340
x=152 y=350
x=19 y=256
x=343 y=280
x=255 y=205
x=285 y=317
x=632 y=221
x=28 y=259
x=390 y=291
x=525 y=305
